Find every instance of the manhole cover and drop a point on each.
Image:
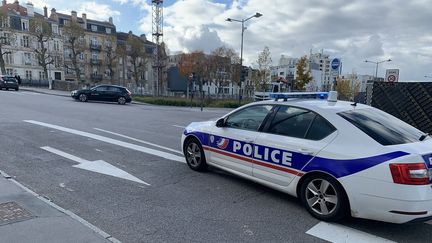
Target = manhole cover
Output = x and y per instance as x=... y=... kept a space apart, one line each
x=11 y=212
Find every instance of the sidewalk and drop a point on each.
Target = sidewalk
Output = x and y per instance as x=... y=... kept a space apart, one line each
x=46 y=91
x=27 y=217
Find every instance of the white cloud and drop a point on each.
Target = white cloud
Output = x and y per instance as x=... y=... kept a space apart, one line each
x=98 y=11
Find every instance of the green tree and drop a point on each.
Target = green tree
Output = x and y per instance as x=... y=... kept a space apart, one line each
x=347 y=89
x=261 y=76
x=303 y=75
x=74 y=36
x=42 y=32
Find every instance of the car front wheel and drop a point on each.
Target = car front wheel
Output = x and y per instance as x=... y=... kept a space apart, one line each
x=324 y=198
x=83 y=97
x=194 y=154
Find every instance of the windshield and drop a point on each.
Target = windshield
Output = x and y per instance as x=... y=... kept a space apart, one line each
x=382 y=127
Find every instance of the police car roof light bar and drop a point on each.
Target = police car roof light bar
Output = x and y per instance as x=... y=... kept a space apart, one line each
x=299 y=95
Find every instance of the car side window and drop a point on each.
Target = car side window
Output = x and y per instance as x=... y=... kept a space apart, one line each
x=249 y=118
x=320 y=129
x=291 y=121
x=116 y=89
x=101 y=88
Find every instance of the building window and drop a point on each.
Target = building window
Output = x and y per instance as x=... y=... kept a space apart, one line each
x=81 y=56
x=25 y=41
x=24 y=25
x=28 y=74
x=8 y=58
x=94 y=28
x=56 y=46
x=108 y=30
x=27 y=58
x=42 y=76
x=9 y=71
x=55 y=29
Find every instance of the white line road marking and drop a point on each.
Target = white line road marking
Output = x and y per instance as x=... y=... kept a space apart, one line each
x=112 y=141
x=98 y=166
x=339 y=233
x=178 y=126
x=140 y=141
x=429 y=222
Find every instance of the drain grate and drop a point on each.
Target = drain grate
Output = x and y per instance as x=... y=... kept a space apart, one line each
x=11 y=212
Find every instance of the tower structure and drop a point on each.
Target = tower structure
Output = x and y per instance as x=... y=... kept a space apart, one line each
x=157 y=33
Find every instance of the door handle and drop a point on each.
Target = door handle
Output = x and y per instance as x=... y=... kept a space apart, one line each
x=305 y=151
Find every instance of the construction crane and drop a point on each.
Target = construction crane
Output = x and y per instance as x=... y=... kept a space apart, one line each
x=157 y=33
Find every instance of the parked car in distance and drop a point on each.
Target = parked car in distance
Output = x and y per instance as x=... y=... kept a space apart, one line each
x=112 y=93
x=8 y=82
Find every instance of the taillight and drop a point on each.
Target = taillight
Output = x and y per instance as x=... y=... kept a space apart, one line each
x=410 y=174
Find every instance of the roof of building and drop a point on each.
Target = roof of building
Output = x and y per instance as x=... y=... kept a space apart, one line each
x=89 y=21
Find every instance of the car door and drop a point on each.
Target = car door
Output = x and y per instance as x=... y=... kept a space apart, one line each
x=290 y=139
x=113 y=93
x=98 y=93
x=231 y=146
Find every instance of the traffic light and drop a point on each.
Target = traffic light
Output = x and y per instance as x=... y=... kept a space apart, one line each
x=243 y=74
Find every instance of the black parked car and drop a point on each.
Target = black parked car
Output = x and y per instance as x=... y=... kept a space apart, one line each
x=103 y=93
x=8 y=82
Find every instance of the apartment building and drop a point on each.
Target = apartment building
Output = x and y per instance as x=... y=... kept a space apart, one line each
x=20 y=44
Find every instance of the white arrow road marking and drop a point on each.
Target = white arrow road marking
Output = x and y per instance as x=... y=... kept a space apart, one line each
x=140 y=141
x=98 y=166
x=112 y=141
x=338 y=233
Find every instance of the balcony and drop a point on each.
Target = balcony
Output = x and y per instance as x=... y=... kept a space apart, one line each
x=96 y=77
x=94 y=61
x=95 y=47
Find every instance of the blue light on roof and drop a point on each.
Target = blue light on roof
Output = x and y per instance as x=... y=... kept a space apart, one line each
x=300 y=95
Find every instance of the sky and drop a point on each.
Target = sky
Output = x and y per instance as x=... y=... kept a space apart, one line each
x=353 y=30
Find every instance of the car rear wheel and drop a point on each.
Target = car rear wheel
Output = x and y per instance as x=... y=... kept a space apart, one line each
x=324 y=198
x=83 y=97
x=194 y=154
x=16 y=89
x=121 y=100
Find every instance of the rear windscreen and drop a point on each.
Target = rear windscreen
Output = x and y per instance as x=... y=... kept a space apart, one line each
x=382 y=127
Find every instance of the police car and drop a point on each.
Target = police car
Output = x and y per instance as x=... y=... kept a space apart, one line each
x=340 y=158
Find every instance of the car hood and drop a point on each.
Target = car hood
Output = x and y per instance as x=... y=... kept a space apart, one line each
x=199 y=126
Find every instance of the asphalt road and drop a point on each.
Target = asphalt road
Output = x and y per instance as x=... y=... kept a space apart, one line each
x=178 y=204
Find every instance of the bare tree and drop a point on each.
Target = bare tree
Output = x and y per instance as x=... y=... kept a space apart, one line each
x=74 y=37
x=261 y=76
x=42 y=32
x=5 y=40
x=138 y=58
x=221 y=63
x=111 y=56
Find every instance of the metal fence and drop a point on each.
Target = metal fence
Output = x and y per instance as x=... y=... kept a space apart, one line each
x=410 y=102
x=35 y=83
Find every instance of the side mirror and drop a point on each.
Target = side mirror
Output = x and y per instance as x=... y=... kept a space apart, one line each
x=220 y=122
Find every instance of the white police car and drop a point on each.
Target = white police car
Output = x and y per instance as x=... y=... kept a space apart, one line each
x=340 y=158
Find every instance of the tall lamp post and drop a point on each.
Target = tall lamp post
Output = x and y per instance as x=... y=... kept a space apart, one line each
x=242 y=21
x=377 y=63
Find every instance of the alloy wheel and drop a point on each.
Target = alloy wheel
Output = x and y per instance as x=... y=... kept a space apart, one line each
x=321 y=197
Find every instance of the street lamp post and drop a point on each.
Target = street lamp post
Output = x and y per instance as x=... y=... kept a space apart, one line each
x=243 y=28
x=377 y=63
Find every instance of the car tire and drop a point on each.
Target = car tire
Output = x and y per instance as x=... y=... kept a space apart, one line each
x=82 y=97
x=121 y=100
x=194 y=154
x=16 y=89
x=324 y=198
